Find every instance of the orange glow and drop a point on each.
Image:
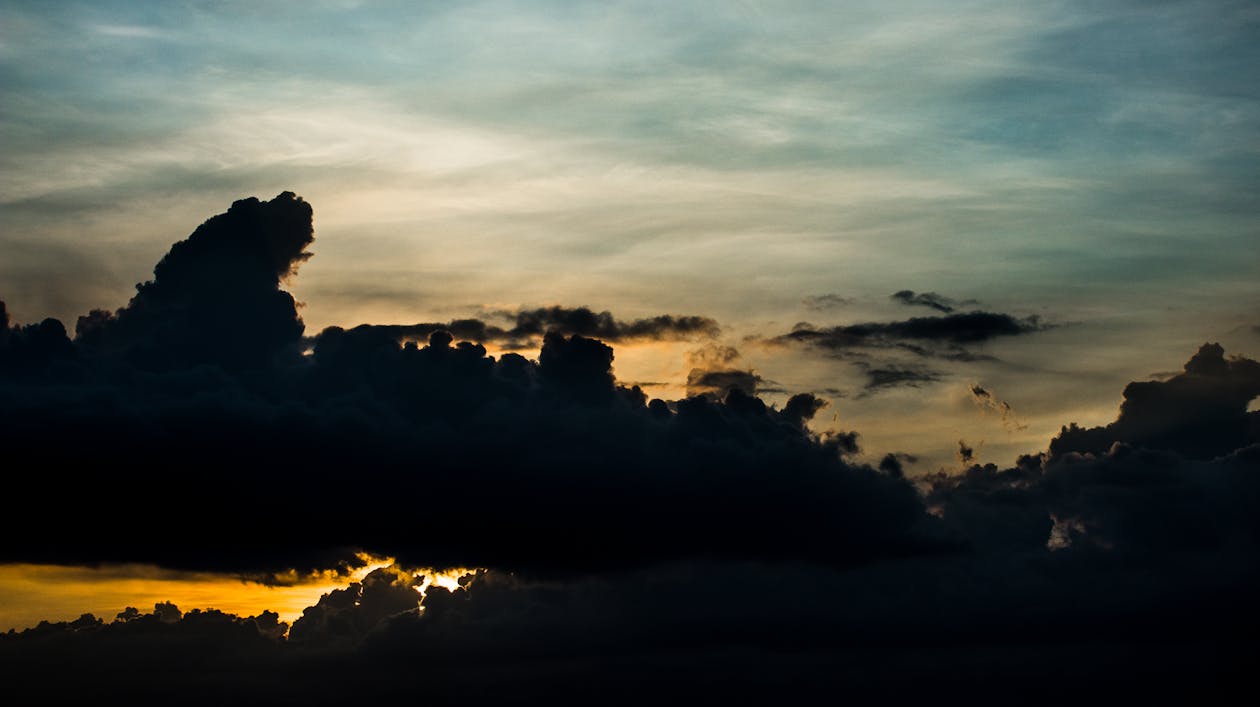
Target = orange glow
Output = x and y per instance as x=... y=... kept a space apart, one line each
x=32 y=593
x=447 y=579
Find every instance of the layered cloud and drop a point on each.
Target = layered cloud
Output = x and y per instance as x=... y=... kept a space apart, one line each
x=968 y=328
x=528 y=326
x=893 y=353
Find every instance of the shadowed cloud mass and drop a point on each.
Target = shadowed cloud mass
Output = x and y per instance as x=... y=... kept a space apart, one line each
x=199 y=388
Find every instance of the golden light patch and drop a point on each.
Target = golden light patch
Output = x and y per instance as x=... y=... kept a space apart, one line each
x=447 y=578
x=32 y=593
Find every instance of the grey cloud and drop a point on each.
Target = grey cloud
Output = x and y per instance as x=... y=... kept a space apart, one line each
x=932 y=300
x=985 y=399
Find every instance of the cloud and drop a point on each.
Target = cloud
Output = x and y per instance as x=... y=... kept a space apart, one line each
x=802 y=407
x=31 y=347
x=346 y=616
x=982 y=397
x=529 y=325
x=894 y=463
x=881 y=377
x=885 y=352
x=969 y=328
x=827 y=301
x=1199 y=413
x=932 y=300
x=717 y=370
x=215 y=298
x=131 y=31
x=195 y=408
x=1174 y=474
x=966 y=453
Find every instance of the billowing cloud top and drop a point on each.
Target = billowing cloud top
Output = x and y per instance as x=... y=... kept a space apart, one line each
x=215 y=297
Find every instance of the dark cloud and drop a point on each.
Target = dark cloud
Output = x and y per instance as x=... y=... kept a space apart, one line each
x=952 y=628
x=717 y=370
x=720 y=383
x=986 y=400
x=529 y=325
x=944 y=338
x=1177 y=474
x=969 y=328
x=894 y=463
x=345 y=616
x=1200 y=413
x=28 y=349
x=895 y=376
x=932 y=300
x=215 y=298
x=191 y=431
x=844 y=442
x=802 y=407
x=966 y=453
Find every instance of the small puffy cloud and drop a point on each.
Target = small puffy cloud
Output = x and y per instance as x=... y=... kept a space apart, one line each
x=985 y=399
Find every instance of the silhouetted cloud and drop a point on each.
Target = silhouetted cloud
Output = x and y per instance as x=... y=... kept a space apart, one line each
x=27 y=349
x=879 y=349
x=1200 y=413
x=966 y=453
x=969 y=328
x=1174 y=474
x=802 y=407
x=200 y=390
x=529 y=325
x=215 y=298
x=982 y=397
x=717 y=370
x=894 y=463
x=345 y=616
x=933 y=300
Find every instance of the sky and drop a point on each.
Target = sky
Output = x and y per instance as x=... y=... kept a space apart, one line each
x=1093 y=164
x=926 y=232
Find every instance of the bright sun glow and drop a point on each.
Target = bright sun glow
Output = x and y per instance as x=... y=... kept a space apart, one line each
x=447 y=578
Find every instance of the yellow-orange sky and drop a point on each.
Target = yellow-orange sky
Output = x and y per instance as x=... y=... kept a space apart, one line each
x=32 y=593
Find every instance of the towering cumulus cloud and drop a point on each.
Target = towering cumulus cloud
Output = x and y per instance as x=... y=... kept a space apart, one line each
x=631 y=550
x=1199 y=413
x=215 y=297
